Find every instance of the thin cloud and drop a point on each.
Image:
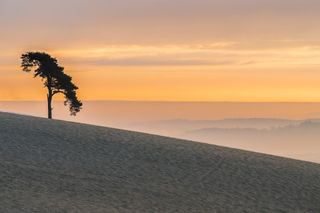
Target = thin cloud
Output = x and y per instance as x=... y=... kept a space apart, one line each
x=157 y=62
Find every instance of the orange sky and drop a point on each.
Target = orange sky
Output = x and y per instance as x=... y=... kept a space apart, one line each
x=206 y=50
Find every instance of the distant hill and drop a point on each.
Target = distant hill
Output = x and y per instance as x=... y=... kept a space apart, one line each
x=300 y=141
x=179 y=126
x=56 y=166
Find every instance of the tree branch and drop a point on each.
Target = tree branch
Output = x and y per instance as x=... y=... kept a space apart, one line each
x=57 y=91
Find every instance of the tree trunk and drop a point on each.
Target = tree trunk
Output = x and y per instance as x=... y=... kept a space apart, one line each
x=49 y=106
x=49 y=97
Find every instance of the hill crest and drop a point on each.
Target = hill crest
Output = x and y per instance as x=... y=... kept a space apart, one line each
x=55 y=165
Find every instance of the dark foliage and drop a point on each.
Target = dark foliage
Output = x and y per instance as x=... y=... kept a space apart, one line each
x=55 y=80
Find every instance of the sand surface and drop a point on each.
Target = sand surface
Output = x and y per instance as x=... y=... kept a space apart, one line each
x=55 y=166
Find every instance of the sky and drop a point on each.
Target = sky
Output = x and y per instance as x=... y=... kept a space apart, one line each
x=167 y=50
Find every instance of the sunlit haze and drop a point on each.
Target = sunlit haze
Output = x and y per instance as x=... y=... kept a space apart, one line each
x=183 y=50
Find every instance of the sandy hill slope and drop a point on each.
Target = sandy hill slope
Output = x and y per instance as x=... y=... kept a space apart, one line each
x=55 y=166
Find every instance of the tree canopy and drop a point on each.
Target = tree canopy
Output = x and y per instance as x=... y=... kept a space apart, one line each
x=54 y=78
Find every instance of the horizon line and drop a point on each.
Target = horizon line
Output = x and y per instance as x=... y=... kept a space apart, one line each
x=172 y=101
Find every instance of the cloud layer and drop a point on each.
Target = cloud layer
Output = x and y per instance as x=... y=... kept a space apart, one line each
x=179 y=50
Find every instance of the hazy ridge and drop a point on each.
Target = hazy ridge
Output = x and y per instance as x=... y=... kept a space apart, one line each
x=193 y=121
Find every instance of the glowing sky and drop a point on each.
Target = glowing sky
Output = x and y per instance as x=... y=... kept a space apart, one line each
x=174 y=50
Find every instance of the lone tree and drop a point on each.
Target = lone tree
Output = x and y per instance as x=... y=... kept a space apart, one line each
x=54 y=78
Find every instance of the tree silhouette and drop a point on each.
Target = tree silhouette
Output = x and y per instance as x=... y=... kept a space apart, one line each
x=54 y=78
